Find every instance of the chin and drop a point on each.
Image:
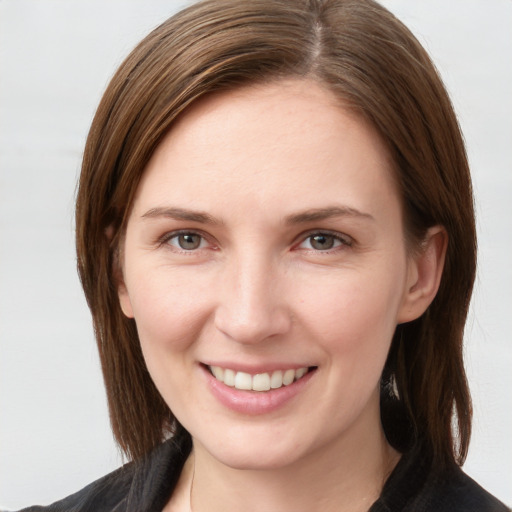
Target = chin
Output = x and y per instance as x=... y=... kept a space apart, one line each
x=255 y=460
x=253 y=452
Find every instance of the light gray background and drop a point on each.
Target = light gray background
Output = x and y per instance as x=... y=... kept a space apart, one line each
x=56 y=57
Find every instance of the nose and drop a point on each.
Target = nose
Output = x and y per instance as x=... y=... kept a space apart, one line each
x=251 y=304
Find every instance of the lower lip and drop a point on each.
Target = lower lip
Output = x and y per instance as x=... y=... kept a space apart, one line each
x=255 y=402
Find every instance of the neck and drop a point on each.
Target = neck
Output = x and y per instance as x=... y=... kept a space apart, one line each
x=345 y=477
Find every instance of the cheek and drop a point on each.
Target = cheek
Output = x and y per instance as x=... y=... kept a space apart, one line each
x=168 y=311
x=353 y=313
x=353 y=321
x=170 y=317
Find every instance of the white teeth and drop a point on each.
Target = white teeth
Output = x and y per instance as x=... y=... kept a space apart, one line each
x=243 y=381
x=259 y=382
x=288 y=377
x=276 y=381
x=229 y=377
x=218 y=372
x=300 y=373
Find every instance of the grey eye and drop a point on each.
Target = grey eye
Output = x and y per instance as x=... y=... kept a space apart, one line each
x=322 y=242
x=187 y=241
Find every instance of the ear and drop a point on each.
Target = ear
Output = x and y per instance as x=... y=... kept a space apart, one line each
x=117 y=273
x=424 y=274
x=124 y=299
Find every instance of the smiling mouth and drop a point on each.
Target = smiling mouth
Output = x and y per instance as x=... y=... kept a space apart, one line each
x=261 y=381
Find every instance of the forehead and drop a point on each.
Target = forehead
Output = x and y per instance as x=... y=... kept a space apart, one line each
x=276 y=141
x=296 y=107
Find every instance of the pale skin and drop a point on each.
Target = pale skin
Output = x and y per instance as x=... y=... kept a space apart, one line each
x=267 y=233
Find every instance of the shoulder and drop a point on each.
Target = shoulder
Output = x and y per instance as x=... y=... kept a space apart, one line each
x=144 y=485
x=418 y=485
x=455 y=491
x=102 y=495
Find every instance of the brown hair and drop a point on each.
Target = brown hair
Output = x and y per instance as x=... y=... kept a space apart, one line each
x=374 y=64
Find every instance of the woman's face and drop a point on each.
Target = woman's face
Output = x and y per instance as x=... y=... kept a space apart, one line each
x=265 y=250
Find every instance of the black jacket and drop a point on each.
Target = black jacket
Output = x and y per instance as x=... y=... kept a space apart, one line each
x=146 y=486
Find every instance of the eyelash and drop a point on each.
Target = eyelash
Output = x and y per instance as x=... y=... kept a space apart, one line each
x=344 y=241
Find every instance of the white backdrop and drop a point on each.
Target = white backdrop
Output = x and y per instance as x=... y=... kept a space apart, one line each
x=56 y=57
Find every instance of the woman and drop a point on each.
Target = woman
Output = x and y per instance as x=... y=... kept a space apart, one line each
x=276 y=239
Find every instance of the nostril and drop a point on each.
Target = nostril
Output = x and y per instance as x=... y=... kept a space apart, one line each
x=252 y=327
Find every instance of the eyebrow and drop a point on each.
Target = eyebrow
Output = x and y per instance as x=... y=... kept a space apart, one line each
x=317 y=214
x=181 y=214
x=312 y=215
